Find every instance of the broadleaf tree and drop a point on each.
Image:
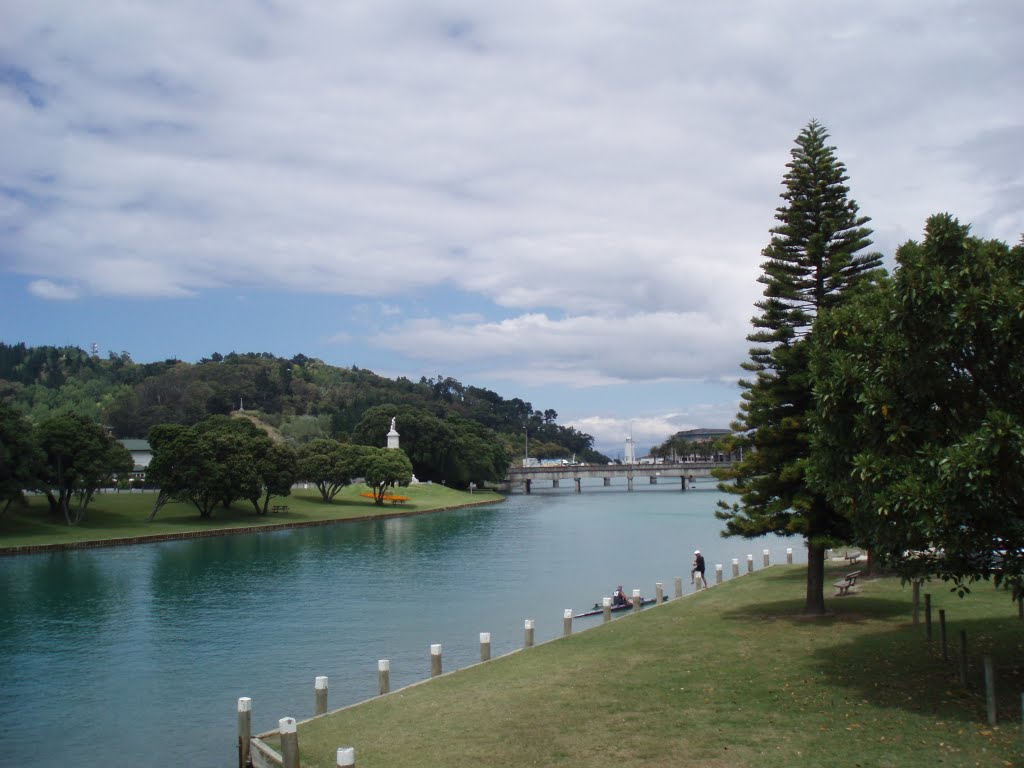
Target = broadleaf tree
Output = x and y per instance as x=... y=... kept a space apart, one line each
x=815 y=256
x=920 y=422
x=386 y=468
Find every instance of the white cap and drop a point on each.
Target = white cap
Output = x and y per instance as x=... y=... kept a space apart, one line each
x=696 y=551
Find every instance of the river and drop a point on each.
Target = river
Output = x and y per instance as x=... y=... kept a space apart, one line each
x=121 y=656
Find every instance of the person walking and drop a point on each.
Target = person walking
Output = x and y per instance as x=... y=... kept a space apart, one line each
x=698 y=570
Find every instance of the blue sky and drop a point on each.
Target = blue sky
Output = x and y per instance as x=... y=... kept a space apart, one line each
x=560 y=201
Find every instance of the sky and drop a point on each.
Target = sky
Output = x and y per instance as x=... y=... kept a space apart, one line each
x=561 y=201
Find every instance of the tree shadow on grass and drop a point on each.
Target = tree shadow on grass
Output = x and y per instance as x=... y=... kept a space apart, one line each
x=899 y=668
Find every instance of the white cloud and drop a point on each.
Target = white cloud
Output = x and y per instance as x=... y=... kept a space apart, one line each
x=599 y=177
x=46 y=289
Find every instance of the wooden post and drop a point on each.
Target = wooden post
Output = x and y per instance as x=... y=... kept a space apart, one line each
x=659 y=593
x=567 y=622
x=679 y=586
x=435 y=659
x=289 y=742
x=244 y=730
x=606 y=608
x=990 y=690
x=750 y=563
x=528 y=634
x=637 y=600
x=928 y=617
x=320 y=695
x=766 y=553
x=485 y=646
x=346 y=757
x=963 y=657
x=718 y=573
x=942 y=634
x=735 y=567
x=384 y=675
x=789 y=555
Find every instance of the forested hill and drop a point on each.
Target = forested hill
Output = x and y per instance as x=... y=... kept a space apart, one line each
x=304 y=398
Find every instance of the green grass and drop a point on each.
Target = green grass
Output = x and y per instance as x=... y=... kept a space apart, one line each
x=733 y=676
x=113 y=516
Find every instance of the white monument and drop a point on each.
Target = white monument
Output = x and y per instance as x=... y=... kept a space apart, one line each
x=630 y=457
x=393 y=435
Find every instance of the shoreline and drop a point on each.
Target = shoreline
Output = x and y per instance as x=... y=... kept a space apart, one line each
x=29 y=549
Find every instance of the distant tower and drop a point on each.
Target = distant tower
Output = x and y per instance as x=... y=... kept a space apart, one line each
x=95 y=349
x=630 y=457
x=393 y=435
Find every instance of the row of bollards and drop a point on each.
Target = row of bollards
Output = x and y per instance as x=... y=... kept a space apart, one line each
x=987 y=664
x=288 y=727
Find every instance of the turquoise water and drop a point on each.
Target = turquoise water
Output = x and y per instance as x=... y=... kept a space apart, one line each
x=117 y=657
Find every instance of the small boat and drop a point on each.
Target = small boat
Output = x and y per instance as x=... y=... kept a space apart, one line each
x=598 y=608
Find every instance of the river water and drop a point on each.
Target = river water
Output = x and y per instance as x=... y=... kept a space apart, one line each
x=121 y=656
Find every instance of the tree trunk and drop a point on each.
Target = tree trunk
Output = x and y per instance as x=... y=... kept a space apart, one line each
x=815 y=602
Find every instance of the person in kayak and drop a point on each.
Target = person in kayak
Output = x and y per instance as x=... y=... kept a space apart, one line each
x=619 y=598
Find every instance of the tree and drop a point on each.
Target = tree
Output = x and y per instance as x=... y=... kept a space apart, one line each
x=919 y=433
x=277 y=467
x=812 y=261
x=330 y=465
x=20 y=457
x=217 y=461
x=386 y=468
x=79 y=458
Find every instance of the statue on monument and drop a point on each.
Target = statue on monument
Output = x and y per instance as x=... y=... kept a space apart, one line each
x=392 y=423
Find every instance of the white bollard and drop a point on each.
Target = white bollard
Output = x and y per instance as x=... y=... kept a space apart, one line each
x=528 y=634
x=606 y=608
x=289 y=742
x=320 y=693
x=485 y=646
x=637 y=600
x=789 y=555
x=735 y=566
x=750 y=563
x=244 y=729
x=346 y=757
x=767 y=555
x=679 y=586
x=567 y=622
x=659 y=593
x=718 y=573
x=384 y=675
x=435 y=659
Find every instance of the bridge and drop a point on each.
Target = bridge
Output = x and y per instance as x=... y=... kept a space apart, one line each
x=522 y=479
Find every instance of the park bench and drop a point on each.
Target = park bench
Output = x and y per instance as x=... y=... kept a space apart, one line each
x=843 y=586
x=280 y=508
x=852 y=557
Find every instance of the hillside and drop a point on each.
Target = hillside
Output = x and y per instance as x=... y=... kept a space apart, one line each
x=302 y=398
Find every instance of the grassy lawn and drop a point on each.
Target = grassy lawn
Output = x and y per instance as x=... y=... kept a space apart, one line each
x=123 y=515
x=732 y=676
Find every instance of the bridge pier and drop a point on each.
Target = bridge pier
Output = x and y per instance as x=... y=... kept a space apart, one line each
x=578 y=488
x=607 y=482
x=683 y=483
x=554 y=483
x=528 y=482
x=629 y=483
x=654 y=480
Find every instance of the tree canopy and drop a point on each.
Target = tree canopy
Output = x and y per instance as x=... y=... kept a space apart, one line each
x=919 y=436
x=813 y=259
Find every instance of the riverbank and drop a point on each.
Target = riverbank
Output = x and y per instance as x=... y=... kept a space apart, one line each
x=729 y=676
x=118 y=519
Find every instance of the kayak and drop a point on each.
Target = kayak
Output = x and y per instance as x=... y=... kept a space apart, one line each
x=598 y=608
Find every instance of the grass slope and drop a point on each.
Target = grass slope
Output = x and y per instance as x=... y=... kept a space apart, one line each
x=732 y=676
x=114 y=516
